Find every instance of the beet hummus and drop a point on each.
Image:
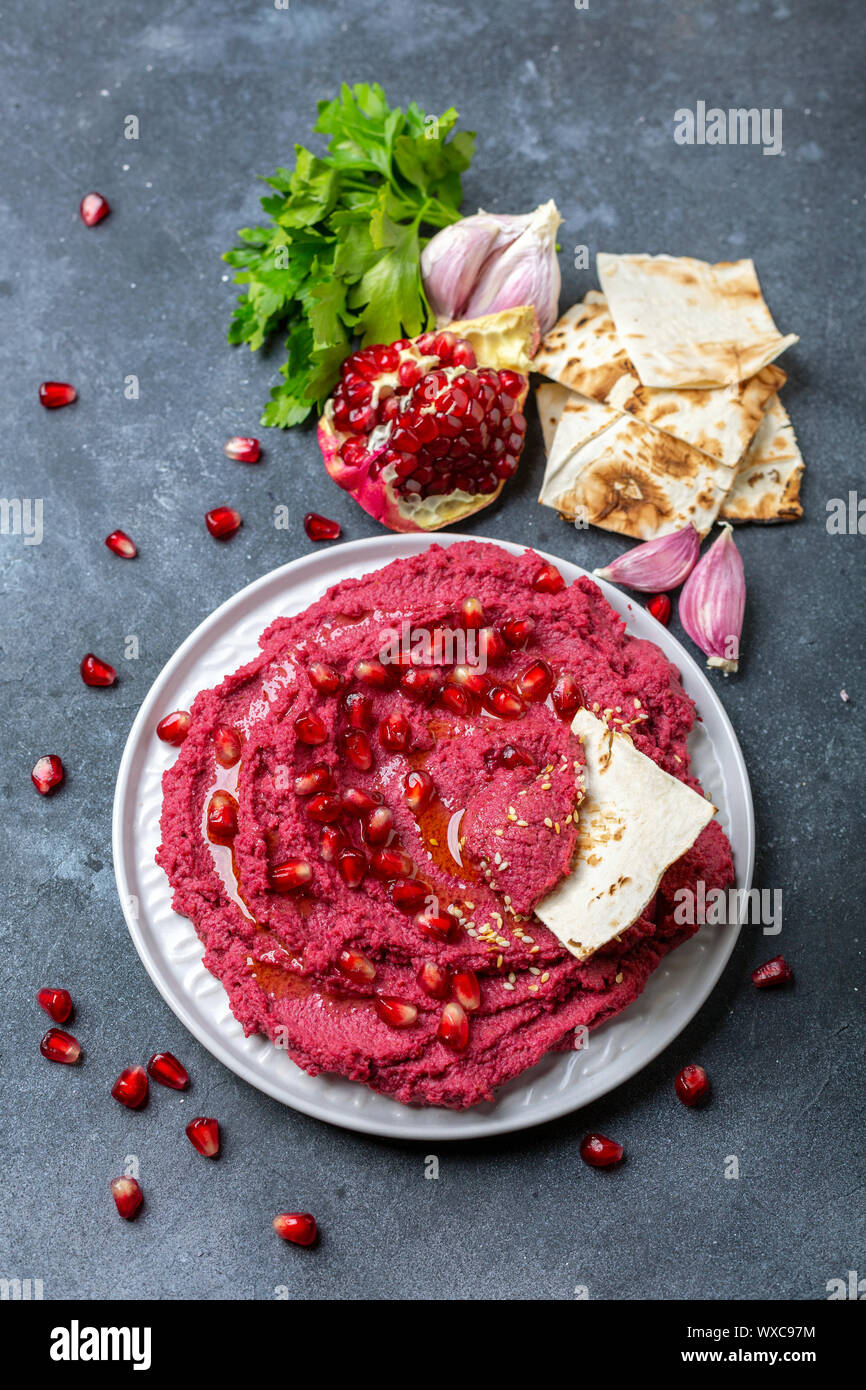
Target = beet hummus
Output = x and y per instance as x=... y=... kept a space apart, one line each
x=361 y=820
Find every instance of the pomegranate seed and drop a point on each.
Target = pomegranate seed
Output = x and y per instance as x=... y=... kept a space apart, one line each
x=356 y=966
x=325 y=808
x=57 y=1003
x=127 y=1195
x=512 y=757
x=492 y=645
x=397 y=1013
x=58 y=1046
x=420 y=683
x=92 y=208
x=502 y=701
x=467 y=990
x=310 y=729
x=358 y=749
x=222 y=818
x=457 y=700
x=518 y=631
x=359 y=709
x=548 y=580
x=408 y=894
x=439 y=926
x=333 y=839
x=222 y=522
x=434 y=979
x=471 y=679
x=391 y=863
x=47 y=773
x=774 y=972
x=463 y=354
x=243 y=449
x=567 y=695
x=130 y=1088
x=600 y=1152
x=325 y=679
x=174 y=727
x=394 y=732
x=352 y=866
x=321 y=528
x=168 y=1071
x=358 y=802
x=692 y=1085
x=292 y=874
x=472 y=613
x=378 y=825
x=227 y=745
x=299 y=1227
x=453 y=1028
x=96 y=672
x=418 y=791
x=317 y=778
x=122 y=545
x=372 y=672
x=204 y=1135
x=53 y=394
x=536 y=681
x=660 y=607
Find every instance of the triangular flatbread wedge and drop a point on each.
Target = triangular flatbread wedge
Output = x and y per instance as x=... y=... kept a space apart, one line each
x=686 y=323
x=611 y=470
x=767 y=485
x=582 y=351
x=635 y=820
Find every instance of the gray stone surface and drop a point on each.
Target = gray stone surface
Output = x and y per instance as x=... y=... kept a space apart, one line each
x=572 y=104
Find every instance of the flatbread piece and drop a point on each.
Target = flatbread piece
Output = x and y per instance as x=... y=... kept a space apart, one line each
x=767 y=485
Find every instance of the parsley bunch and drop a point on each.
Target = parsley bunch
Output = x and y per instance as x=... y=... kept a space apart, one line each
x=339 y=257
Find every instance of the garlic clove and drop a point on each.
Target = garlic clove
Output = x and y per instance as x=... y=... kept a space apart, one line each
x=453 y=259
x=657 y=565
x=713 y=601
x=524 y=272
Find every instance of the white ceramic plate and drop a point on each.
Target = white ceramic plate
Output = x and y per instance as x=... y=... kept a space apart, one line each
x=171 y=951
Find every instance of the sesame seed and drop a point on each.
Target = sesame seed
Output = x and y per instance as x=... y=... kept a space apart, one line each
x=619 y=978
x=534 y=970
x=498 y=962
x=508 y=986
x=545 y=977
x=548 y=822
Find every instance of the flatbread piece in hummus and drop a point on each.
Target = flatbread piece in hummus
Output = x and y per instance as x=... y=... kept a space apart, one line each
x=684 y=322
x=613 y=471
x=767 y=485
x=635 y=821
x=583 y=352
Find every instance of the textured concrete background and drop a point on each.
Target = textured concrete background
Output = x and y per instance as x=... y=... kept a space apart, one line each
x=576 y=105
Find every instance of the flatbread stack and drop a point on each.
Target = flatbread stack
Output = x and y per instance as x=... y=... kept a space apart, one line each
x=666 y=408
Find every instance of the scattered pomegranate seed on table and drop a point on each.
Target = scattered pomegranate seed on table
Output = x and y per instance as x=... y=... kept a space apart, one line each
x=97 y=672
x=222 y=522
x=321 y=528
x=660 y=607
x=47 y=774
x=168 y=1071
x=127 y=1195
x=93 y=207
x=599 y=1151
x=243 y=449
x=58 y=1046
x=174 y=727
x=692 y=1085
x=773 y=972
x=298 y=1227
x=130 y=1088
x=57 y=1003
x=54 y=394
x=204 y=1135
x=121 y=544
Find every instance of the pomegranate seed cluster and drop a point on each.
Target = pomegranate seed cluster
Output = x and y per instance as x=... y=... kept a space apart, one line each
x=423 y=409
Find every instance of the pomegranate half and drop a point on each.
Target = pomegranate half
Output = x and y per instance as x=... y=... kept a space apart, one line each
x=419 y=434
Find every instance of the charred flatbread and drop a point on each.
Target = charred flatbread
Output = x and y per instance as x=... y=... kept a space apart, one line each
x=767 y=485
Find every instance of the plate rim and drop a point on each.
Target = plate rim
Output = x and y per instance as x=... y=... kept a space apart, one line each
x=485 y=1126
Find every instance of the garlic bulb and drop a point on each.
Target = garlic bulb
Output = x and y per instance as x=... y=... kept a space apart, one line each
x=657 y=565
x=494 y=261
x=713 y=601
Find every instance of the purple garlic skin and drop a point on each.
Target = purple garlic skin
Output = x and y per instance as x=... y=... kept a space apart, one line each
x=713 y=601
x=657 y=565
x=492 y=261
